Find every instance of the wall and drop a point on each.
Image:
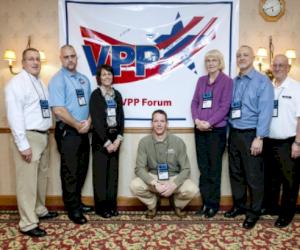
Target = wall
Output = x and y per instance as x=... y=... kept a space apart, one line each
x=38 y=18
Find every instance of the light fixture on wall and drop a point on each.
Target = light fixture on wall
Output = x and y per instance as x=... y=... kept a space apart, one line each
x=291 y=55
x=10 y=56
x=263 y=53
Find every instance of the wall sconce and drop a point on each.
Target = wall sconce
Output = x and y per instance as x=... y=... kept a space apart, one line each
x=291 y=55
x=10 y=56
x=261 y=54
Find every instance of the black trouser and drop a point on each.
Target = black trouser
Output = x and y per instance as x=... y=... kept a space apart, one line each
x=74 y=151
x=210 y=147
x=245 y=171
x=281 y=169
x=105 y=177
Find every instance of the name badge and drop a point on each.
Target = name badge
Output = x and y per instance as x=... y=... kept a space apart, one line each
x=80 y=97
x=163 y=171
x=207 y=100
x=45 y=108
x=111 y=112
x=275 y=108
x=111 y=103
x=236 y=110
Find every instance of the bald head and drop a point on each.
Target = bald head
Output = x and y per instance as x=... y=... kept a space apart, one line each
x=68 y=57
x=245 y=58
x=280 y=68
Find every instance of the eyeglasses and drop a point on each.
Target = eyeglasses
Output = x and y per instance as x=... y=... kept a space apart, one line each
x=279 y=66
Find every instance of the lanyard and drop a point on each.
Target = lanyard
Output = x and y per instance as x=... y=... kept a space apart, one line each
x=235 y=90
x=277 y=97
x=209 y=85
x=71 y=79
x=156 y=156
x=33 y=84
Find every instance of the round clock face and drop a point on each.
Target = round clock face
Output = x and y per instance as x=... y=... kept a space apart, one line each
x=272 y=10
x=272 y=7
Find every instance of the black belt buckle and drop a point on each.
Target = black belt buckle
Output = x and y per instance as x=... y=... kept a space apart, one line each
x=112 y=130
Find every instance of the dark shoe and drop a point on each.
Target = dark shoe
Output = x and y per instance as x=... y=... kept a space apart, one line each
x=234 y=212
x=86 y=209
x=104 y=214
x=202 y=211
x=250 y=222
x=209 y=213
x=49 y=215
x=151 y=213
x=179 y=212
x=77 y=217
x=268 y=211
x=282 y=222
x=114 y=212
x=36 y=232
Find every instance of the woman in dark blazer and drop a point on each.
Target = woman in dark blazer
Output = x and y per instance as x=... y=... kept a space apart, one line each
x=107 y=115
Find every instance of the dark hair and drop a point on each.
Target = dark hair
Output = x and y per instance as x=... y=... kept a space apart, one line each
x=100 y=68
x=159 y=111
x=26 y=50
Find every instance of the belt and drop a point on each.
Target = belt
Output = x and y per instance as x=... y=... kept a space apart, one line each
x=39 y=131
x=112 y=130
x=243 y=130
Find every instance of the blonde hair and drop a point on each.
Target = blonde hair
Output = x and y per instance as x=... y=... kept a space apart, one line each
x=216 y=54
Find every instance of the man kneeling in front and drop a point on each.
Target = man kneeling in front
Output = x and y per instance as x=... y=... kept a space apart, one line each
x=162 y=169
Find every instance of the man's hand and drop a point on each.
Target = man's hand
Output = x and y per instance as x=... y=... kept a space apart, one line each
x=256 y=146
x=26 y=155
x=169 y=188
x=295 y=151
x=84 y=126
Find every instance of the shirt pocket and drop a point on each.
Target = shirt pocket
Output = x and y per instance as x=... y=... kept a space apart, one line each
x=30 y=99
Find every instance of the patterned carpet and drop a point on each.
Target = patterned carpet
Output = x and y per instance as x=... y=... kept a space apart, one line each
x=131 y=230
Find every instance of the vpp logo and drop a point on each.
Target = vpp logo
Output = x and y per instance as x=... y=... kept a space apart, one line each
x=136 y=62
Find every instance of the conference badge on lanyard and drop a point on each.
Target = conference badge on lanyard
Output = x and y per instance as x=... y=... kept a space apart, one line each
x=80 y=97
x=45 y=108
x=275 y=108
x=111 y=107
x=236 y=110
x=207 y=100
x=163 y=171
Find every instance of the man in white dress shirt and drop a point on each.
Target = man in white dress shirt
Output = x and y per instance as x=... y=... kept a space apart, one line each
x=29 y=119
x=282 y=147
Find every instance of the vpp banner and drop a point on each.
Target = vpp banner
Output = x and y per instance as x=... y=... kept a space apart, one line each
x=155 y=48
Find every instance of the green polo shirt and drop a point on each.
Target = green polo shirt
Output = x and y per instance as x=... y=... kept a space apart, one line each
x=151 y=152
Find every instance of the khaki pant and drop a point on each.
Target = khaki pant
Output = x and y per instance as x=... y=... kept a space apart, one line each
x=31 y=180
x=149 y=196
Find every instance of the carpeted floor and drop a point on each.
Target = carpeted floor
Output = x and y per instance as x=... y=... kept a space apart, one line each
x=131 y=230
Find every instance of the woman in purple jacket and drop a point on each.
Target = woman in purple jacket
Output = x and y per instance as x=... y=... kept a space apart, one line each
x=210 y=107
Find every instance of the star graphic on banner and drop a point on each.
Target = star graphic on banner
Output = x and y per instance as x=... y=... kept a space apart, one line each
x=178 y=43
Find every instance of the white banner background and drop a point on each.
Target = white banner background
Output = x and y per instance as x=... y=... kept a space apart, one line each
x=140 y=24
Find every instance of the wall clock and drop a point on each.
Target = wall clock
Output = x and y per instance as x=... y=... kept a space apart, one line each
x=272 y=10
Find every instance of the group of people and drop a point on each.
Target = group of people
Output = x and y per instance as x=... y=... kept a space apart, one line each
x=77 y=110
x=263 y=143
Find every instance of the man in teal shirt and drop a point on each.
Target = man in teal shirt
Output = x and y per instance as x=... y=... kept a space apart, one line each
x=162 y=169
